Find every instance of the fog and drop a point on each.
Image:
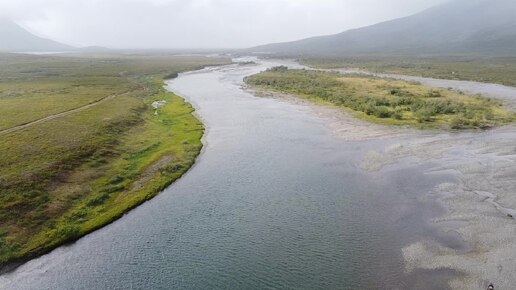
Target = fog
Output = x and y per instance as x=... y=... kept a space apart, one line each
x=198 y=23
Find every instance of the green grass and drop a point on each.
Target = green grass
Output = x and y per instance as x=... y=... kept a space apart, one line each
x=65 y=177
x=387 y=101
x=488 y=70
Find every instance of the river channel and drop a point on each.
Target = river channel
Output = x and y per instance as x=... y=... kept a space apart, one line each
x=275 y=201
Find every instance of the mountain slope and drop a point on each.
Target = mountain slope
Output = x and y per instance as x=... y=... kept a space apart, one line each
x=460 y=26
x=16 y=39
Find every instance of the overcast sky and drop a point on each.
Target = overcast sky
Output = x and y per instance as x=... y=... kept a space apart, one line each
x=198 y=23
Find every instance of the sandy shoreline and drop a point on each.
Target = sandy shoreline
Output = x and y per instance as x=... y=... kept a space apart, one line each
x=479 y=206
x=342 y=123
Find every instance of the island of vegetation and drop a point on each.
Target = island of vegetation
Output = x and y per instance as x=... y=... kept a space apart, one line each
x=386 y=101
x=85 y=139
x=498 y=70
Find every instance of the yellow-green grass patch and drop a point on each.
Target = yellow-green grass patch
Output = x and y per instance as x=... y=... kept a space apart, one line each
x=388 y=101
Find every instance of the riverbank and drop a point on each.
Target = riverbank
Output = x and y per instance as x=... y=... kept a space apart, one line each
x=387 y=101
x=277 y=199
x=494 y=70
x=88 y=167
x=480 y=205
x=342 y=123
x=274 y=200
x=127 y=180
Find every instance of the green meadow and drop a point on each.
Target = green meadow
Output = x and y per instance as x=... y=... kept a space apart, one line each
x=67 y=176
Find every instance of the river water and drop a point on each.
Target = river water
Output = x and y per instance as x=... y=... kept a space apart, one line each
x=275 y=201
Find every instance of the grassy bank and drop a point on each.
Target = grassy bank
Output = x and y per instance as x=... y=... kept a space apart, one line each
x=65 y=177
x=488 y=70
x=387 y=101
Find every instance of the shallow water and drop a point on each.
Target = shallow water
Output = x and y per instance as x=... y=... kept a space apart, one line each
x=275 y=201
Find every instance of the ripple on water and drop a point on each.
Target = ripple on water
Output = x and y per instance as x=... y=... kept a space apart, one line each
x=275 y=201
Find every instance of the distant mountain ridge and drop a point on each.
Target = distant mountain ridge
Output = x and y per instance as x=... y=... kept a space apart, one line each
x=460 y=26
x=13 y=38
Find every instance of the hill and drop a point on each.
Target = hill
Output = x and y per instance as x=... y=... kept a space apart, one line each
x=457 y=27
x=17 y=39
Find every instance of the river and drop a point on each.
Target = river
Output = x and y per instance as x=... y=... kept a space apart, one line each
x=275 y=201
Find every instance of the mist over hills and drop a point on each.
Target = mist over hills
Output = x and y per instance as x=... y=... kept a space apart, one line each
x=14 y=38
x=457 y=27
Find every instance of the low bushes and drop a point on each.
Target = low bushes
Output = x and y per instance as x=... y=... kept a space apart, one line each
x=396 y=101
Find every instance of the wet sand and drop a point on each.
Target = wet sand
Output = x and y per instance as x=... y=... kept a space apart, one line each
x=274 y=201
x=480 y=206
x=291 y=206
x=341 y=122
x=480 y=209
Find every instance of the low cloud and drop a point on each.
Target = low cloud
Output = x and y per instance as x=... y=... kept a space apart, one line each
x=198 y=23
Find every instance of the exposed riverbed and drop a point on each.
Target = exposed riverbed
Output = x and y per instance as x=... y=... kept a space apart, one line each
x=289 y=195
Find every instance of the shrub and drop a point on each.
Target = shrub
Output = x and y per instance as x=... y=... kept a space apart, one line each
x=434 y=94
x=98 y=200
x=115 y=180
x=7 y=247
x=78 y=215
x=400 y=93
x=174 y=168
x=398 y=114
x=280 y=68
x=488 y=115
x=69 y=232
x=381 y=99
x=382 y=112
x=459 y=122
x=425 y=115
x=404 y=101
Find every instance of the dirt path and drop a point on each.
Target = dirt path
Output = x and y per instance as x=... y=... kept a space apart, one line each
x=54 y=116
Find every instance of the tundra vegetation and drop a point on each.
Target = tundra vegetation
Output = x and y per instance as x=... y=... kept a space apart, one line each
x=67 y=176
x=387 y=101
x=499 y=70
